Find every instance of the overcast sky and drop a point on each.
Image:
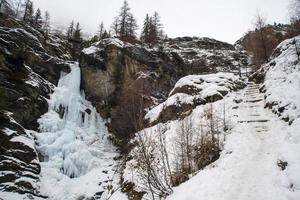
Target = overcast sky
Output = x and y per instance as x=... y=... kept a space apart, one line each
x=225 y=20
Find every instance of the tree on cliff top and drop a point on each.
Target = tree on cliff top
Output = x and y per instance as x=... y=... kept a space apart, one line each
x=152 y=32
x=125 y=24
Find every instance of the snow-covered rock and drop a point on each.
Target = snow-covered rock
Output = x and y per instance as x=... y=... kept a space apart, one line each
x=282 y=80
x=206 y=54
x=191 y=91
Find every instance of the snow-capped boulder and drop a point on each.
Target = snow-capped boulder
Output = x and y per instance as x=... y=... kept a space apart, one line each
x=191 y=91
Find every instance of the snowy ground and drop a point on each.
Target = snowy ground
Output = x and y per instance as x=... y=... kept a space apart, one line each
x=248 y=167
x=170 y=131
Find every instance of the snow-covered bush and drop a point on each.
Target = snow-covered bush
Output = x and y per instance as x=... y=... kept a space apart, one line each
x=165 y=155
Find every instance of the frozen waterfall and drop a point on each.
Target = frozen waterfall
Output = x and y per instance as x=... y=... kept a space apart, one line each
x=73 y=143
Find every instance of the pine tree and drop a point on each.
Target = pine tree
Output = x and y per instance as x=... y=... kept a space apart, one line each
x=101 y=31
x=145 y=30
x=155 y=32
x=28 y=12
x=70 y=30
x=106 y=34
x=38 y=21
x=77 y=33
x=46 y=25
x=152 y=31
x=125 y=24
x=75 y=40
x=132 y=27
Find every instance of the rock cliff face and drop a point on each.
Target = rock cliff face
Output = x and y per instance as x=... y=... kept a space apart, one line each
x=116 y=74
x=29 y=65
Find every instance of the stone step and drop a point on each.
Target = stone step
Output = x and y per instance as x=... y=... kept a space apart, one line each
x=253 y=121
x=253 y=101
x=254 y=106
x=264 y=127
x=251 y=93
x=255 y=115
x=261 y=131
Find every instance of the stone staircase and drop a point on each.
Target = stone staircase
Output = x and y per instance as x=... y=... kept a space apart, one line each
x=253 y=103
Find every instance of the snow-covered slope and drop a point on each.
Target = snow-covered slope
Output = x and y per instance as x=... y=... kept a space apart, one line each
x=261 y=158
x=282 y=80
x=204 y=124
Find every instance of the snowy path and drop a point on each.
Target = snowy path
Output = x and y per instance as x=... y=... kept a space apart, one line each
x=247 y=169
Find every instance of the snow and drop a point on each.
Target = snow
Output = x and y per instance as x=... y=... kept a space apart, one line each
x=24 y=140
x=283 y=80
x=169 y=131
x=247 y=168
x=9 y=132
x=197 y=80
x=250 y=166
x=16 y=196
x=118 y=196
x=207 y=85
x=77 y=154
x=98 y=46
x=36 y=80
x=91 y=49
x=176 y=99
x=206 y=53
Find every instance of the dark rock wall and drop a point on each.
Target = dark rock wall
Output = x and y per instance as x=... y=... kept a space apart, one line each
x=30 y=64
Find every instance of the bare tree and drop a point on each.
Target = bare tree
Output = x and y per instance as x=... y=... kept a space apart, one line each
x=262 y=41
x=260 y=24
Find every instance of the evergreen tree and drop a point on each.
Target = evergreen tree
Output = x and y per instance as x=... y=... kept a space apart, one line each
x=106 y=34
x=38 y=21
x=46 y=24
x=125 y=24
x=28 y=12
x=77 y=33
x=70 y=30
x=152 y=31
x=101 y=31
x=145 y=30
x=155 y=32
x=132 y=27
x=75 y=40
